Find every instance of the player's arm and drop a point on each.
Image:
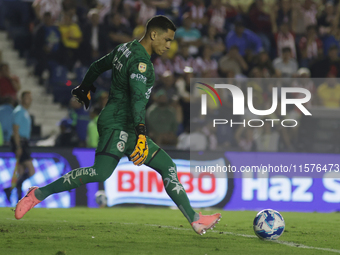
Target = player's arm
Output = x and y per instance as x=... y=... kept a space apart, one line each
x=137 y=81
x=82 y=92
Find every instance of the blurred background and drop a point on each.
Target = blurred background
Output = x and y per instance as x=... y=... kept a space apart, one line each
x=46 y=47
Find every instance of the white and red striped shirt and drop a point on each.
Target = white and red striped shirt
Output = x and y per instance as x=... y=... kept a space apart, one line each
x=207 y=65
x=161 y=66
x=197 y=12
x=180 y=63
x=312 y=48
x=283 y=41
x=218 y=17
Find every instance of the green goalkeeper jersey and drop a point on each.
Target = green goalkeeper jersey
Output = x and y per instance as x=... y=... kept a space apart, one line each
x=131 y=82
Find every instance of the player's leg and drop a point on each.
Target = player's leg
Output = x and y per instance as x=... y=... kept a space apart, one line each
x=164 y=165
x=107 y=157
x=159 y=160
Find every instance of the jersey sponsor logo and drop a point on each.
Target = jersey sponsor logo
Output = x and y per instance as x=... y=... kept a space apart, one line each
x=121 y=146
x=147 y=94
x=142 y=67
x=79 y=172
x=117 y=64
x=138 y=77
x=123 y=136
x=125 y=49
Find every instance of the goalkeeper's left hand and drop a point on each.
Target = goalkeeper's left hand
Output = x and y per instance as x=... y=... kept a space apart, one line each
x=141 y=151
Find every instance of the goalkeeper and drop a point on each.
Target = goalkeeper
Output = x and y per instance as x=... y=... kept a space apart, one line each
x=121 y=124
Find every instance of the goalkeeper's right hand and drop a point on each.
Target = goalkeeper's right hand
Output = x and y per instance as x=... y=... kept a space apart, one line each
x=83 y=94
x=141 y=151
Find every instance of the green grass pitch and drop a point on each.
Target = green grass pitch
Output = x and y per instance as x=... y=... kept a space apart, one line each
x=137 y=230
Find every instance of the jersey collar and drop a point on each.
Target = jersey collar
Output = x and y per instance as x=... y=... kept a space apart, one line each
x=146 y=53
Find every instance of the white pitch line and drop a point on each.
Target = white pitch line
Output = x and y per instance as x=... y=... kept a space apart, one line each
x=291 y=244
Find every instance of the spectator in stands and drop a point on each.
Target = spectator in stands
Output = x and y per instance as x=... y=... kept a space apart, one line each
x=197 y=12
x=183 y=141
x=187 y=35
x=53 y=7
x=183 y=59
x=104 y=7
x=243 y=38
x=284 y=38
x=68 y=136
x=20 y=142
x=92 y=137
x=162 y=64
x=101 y=98
x=193 y=138
x=329 y=92
x=217 y=15
x=207 y=64
x=285 y=66
x=244 y=137
x=167 y=84
x=329 y=65
x=210 y=132
x=46 y=44
x=6 y=120
x=267 y=138
x=215 y=41
x=80 y=119
x=310 y=46
x=307 y=83
x=284 y=14
x=146 y=11
x=232 y=61
x=77 y=10
x=329 y=18
x=161 y=119
x=305 y=15
x=9 y=84
x=263 y=62
x=260 y=23
x=118 y=32
x=182 y=85
x=71 y=37
x=329 y=28
x=94 y=43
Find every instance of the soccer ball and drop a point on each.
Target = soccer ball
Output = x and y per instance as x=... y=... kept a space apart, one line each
x=269 y=224
x=101 y=198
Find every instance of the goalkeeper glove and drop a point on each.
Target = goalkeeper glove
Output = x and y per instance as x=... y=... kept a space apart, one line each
x=141 y=150
x=83 y=94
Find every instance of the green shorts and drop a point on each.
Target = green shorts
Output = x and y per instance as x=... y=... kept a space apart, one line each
x=117 y=143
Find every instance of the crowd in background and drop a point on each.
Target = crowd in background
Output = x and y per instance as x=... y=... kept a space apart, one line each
x=214 y=39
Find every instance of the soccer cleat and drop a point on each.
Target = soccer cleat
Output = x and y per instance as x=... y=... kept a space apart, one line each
x=83 y=95
x=26 y=203
x=205 y=222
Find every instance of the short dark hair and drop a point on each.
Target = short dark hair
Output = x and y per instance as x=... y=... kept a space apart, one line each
x=160 y=22
x=286 y=49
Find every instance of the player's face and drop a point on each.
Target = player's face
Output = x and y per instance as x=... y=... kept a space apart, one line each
x=162 y=41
